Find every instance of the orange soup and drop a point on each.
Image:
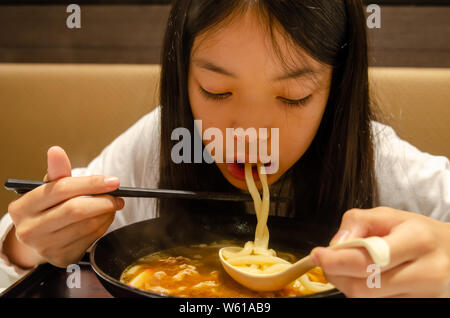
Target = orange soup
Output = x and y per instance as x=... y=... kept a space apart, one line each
x=195 y=271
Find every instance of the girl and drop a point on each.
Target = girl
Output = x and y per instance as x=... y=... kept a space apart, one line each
x=300 y=66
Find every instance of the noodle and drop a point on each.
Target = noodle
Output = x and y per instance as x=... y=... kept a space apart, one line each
x=255 y=257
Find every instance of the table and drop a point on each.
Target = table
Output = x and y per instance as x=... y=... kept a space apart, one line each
x=47 y=281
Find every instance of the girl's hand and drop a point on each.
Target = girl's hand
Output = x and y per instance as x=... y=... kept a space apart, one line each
x=58 y=221
x=420 y=255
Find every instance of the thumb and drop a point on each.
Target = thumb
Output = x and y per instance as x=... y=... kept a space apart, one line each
x=58 y=164
x=358 y=223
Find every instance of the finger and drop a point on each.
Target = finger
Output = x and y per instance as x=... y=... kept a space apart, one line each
x=58 y=164
x=53 y=193
x=412 y=278
x=75 y=232
x=97 y=233
x=68 y=254
x=349 y=262
x=78 y=209
x=357 y=287
x=351 y=287
x=407 y=242
x=371 y=222
x=376 y=284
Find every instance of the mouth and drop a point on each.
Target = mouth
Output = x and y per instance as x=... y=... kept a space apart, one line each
x=237 y=170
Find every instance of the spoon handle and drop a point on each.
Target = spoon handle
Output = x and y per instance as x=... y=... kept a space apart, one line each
x=300 y=267
x=377 y=248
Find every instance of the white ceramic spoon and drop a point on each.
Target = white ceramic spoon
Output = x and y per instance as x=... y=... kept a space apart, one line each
x=377 y=248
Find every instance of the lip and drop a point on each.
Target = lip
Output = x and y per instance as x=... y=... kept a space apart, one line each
x=238 y=171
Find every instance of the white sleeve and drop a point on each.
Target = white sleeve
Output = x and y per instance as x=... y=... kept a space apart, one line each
x=408 y=179
x=134 y=158
x=9 y=273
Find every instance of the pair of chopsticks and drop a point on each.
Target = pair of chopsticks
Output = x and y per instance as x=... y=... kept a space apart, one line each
x=24 y=186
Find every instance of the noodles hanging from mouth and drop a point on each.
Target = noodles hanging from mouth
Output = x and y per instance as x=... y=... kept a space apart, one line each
x=256 y=257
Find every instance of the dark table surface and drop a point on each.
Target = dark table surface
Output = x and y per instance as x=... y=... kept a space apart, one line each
x=47 y=281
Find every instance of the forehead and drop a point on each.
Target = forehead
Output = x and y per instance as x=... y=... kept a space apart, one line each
x=248 y=42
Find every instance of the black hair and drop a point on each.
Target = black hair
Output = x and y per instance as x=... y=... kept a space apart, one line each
x=336 y=173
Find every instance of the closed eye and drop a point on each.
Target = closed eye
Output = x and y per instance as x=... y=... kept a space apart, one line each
x=212 y=96
x=295 y=102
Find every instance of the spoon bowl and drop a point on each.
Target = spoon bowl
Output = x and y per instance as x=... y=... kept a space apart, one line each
x=377 y=248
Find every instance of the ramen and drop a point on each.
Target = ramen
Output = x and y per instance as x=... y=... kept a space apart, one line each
x=256 y=257
x=194 y=271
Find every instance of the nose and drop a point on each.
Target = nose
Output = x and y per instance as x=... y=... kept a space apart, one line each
x=251 y=119
x=249 y=143
x=252 y=113
x=251 y=135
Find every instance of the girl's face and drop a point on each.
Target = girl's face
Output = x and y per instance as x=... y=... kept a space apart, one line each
x=236 y=80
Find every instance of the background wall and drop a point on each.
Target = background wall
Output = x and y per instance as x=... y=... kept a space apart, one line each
x=410 y=35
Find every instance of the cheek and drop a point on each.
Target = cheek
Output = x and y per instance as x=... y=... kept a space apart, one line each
x=210 y=115
x=299 y=131
x=201 y=109
x=209 y=118
x=293 y=145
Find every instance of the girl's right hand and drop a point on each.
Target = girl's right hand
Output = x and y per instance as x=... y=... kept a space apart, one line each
x=58 y=221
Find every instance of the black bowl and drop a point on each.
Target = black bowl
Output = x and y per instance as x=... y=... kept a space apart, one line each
x=115 y=251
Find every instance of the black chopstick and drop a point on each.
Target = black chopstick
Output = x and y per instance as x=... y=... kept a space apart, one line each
x=24 y=186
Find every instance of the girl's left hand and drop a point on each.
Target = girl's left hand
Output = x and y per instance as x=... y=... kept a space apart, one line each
x=420 y=255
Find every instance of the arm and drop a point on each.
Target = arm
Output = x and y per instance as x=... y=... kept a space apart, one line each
x=408 y=179
x=412 y=216
x=132 y=157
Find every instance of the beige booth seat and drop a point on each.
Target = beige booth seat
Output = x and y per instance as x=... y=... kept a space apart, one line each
x=84 y=107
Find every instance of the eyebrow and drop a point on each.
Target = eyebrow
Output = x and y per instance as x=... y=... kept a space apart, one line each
x=296 y=73
x=212 y=67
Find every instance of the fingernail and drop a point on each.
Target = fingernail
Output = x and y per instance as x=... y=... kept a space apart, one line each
x=340 y=237
x=120 y=203
x=111 y=181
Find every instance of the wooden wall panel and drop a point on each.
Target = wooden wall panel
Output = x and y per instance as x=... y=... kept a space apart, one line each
x=409 y=35
x=108 y=34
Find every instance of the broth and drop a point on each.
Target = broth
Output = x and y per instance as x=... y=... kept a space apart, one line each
x=195 y=271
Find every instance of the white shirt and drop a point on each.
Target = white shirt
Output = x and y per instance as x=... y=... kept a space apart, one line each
x=406 y=178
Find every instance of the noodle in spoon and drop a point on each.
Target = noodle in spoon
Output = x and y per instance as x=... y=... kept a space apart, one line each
x=255 y=257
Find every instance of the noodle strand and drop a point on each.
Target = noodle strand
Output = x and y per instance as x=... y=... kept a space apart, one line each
x=256 y=257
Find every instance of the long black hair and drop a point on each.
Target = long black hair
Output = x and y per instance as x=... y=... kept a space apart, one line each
x=336 y=173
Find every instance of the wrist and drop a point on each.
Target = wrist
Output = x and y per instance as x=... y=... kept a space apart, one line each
x=18 y=253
